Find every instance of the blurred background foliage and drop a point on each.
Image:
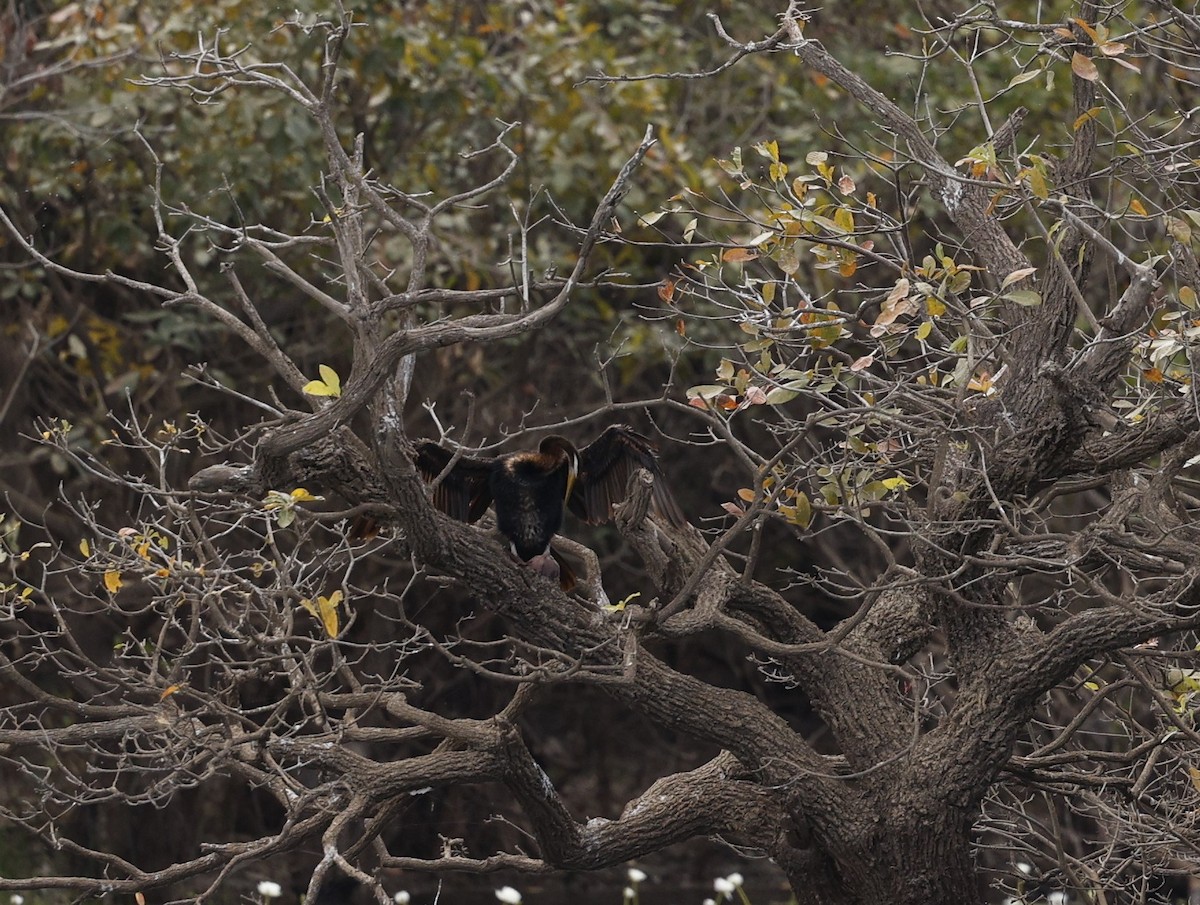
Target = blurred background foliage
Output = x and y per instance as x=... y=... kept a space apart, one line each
x=425 y=83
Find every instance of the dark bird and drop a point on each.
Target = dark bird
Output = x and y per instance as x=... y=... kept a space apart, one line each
x=530 y=489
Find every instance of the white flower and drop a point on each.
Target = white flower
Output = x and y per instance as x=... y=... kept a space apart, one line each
x=1024 y=868
x=17 y=899
x=401 y=898
x=708 y=902
x=1058 y=897
x=629 y=894
x=735 y=879
x=636 y=876
x=508 y=895
x=269 y=890
x=724 y=887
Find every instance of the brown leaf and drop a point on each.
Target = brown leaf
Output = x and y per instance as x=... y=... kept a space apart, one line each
x=1084 y=67
x=738 y=255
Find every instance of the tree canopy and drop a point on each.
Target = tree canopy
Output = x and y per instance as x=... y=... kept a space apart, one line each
x=907 y=302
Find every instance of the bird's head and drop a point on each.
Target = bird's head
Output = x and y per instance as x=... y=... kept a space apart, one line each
x=562 y=449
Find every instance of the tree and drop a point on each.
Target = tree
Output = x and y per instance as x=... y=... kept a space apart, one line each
x=962 y=399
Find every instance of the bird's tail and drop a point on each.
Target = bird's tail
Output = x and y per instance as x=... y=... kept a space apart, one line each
x=566 y=575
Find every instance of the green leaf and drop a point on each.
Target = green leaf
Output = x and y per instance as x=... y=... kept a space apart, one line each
x=707 y=391
x=780 y=395
x=803 y=510
x=1022 y=77
x=1026 y=298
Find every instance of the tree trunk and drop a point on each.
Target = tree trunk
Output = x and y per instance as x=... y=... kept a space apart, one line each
x=916 y=854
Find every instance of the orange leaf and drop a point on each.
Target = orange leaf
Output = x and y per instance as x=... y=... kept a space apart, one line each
x=168 y=691
x=666 y=290
x=1154 y=375
x=738 y=255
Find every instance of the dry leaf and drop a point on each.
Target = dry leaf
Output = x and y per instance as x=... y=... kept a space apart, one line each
x=1084 y=67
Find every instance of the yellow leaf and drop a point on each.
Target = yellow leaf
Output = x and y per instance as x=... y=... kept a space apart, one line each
x=1083 y=67
x=300 y=495
x=168 y=691
x=316 y=388
x=1138 y=208
x=1037 y=184
x=617 y=607
x=803 y=510
x=981 y=384
x=327 y=606
x=1187 y=296
x=924 y=330
x=746 y=494
x=112 y=581
x=1195 y=775
x=1085 y=117
x=935 y=307
x=86 y=549
x=325 y=611
x=331 y=379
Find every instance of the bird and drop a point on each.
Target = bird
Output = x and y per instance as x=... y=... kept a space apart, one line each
x=530 y=489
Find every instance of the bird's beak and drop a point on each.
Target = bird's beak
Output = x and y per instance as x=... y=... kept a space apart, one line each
x=572 y=475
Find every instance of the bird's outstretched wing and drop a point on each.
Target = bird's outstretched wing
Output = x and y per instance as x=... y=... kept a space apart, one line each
x=605 y=465
x=465 y=492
